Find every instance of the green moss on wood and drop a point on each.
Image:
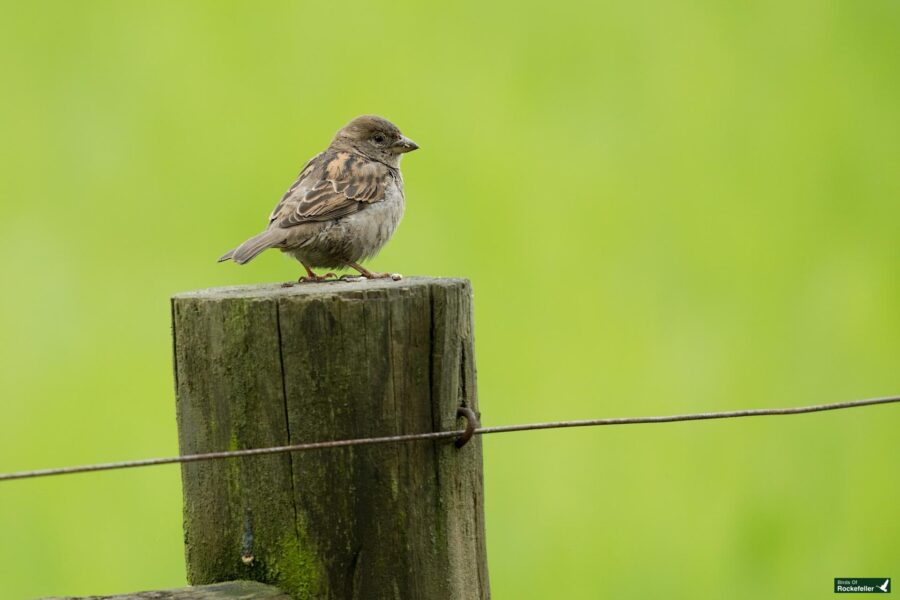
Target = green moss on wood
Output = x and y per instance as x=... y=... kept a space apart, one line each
x=296 y=569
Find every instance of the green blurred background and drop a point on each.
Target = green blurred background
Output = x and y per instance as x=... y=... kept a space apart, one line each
x=663 y=208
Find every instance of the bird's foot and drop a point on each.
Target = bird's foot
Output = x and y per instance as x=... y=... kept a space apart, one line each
x=363 y=272
x=370 y=275
x=394 y=276
x=313 y=278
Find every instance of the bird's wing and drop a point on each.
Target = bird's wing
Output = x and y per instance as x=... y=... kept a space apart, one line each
x=331 y=185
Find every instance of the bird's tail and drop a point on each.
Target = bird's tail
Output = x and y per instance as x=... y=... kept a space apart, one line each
x=249 y=249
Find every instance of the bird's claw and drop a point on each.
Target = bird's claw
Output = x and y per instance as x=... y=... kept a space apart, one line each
x=394 y=276
x=317 y=278
x=364 y=277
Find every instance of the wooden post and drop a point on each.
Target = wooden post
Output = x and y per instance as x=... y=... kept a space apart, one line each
x=260 y=366
x=233 y=590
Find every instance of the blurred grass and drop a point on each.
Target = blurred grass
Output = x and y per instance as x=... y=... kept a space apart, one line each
x=663 y=208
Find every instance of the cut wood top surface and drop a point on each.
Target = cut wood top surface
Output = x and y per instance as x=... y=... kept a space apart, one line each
x=274 y=290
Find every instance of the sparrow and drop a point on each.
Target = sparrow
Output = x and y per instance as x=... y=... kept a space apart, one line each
x=344 y=206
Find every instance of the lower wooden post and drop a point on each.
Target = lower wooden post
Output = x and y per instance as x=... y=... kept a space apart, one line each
x=232 y=590
x=265 y=366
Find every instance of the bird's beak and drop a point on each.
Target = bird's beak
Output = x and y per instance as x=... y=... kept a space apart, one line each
x=404 y=144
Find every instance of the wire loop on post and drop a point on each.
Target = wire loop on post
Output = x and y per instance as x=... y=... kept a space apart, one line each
x=471 y=425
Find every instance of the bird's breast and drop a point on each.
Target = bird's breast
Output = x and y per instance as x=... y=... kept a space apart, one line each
x=372 y=227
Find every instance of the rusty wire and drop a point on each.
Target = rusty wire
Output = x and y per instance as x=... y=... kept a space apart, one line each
x=461 y=436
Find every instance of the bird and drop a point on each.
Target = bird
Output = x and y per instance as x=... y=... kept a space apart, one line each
x=344 y=206
x=884 y=586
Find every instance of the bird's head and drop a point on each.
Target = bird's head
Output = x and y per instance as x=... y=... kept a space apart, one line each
x=375 y=138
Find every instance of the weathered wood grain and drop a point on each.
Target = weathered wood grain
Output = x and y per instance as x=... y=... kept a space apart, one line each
x=232 y=590
x=265 y=365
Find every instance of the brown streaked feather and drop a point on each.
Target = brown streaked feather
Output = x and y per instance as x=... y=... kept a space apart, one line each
x=331 y=185
x=304 y=176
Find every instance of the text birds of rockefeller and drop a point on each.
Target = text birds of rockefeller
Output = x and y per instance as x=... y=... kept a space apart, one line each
x=345 y=204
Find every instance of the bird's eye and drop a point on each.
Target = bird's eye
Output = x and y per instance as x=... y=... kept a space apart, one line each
x=379 y=139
